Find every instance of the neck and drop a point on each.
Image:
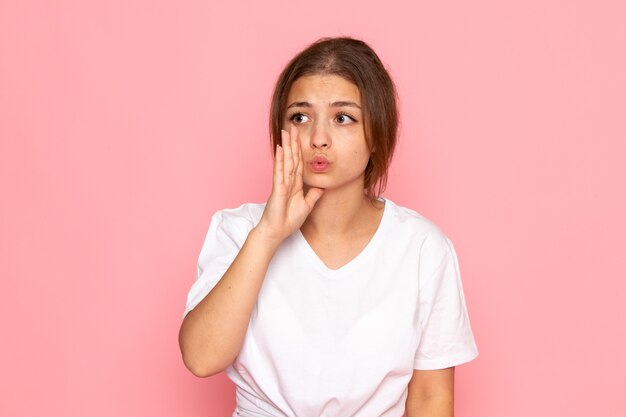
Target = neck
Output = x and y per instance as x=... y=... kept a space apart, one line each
x=339 y=213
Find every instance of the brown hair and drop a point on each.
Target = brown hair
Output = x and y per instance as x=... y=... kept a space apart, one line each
x=355 y=61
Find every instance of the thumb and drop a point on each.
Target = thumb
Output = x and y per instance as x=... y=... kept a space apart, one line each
x=313 y=195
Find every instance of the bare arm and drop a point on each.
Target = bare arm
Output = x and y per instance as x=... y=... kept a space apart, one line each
x=211 y=334
x=431 y=393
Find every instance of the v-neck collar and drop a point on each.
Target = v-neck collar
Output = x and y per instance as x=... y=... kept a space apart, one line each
x=354 y=262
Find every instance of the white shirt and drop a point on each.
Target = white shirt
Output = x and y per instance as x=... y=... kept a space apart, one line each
x=335 y=343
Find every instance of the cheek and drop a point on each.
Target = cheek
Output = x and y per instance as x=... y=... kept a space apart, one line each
x=365 y=158
x=286 y=125
x=303 y=132
x=360 y=158
x=363 y=150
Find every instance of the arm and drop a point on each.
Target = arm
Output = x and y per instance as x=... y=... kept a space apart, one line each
x=431 y=393
x=212 y=334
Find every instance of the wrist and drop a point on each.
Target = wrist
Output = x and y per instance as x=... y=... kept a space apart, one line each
x=265 y=236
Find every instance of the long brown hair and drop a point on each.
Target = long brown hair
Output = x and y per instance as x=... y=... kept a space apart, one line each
x=355 y=61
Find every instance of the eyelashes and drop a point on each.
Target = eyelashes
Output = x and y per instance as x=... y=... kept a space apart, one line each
x=345 y=116
x=295 y=116
x=342 y=117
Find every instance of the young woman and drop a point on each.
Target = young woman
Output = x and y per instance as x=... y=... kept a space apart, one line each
x=329 y=300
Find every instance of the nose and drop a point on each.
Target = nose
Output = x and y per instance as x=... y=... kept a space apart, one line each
x=320 y=136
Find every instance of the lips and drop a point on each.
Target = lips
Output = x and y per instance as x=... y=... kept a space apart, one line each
x=319 y=163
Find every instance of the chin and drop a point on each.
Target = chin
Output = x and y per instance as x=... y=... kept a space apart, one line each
x=318 y=184
x=330 y=184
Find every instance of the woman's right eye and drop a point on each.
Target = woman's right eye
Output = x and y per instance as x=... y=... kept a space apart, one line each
x=299 y=118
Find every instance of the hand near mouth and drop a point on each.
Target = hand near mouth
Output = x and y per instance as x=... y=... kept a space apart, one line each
x=288 y=207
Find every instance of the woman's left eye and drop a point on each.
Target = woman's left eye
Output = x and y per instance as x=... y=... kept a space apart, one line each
x=344 y=119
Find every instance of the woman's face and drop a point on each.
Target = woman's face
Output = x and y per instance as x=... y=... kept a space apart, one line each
x=326 y=109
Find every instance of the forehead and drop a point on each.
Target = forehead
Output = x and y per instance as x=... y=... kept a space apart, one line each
x=323 y=88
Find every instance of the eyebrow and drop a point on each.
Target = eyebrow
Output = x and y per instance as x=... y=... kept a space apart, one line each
x=335 y=104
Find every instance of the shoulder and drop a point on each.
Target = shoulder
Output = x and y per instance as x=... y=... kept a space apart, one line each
x=245 y=213
x=237 y=222
x=408 y=221
x=428 y=241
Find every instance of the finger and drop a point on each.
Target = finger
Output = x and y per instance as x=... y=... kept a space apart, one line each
x=298 y=157
x=295 y=146
x=278 y=166
x=288 y=157
x=313 y=195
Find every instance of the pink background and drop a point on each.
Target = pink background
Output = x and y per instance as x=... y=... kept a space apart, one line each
x=125 y=124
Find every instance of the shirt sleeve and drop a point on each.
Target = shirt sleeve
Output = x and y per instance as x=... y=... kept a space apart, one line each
x=446 y=335
x=221 y=245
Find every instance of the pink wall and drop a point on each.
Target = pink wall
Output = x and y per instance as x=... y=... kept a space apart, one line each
x=125 y=124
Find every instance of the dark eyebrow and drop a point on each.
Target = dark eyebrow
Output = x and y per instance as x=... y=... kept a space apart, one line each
x=335 y=104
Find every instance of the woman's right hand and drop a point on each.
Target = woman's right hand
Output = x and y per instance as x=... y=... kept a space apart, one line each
x=212 y=334
x=288 y=206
